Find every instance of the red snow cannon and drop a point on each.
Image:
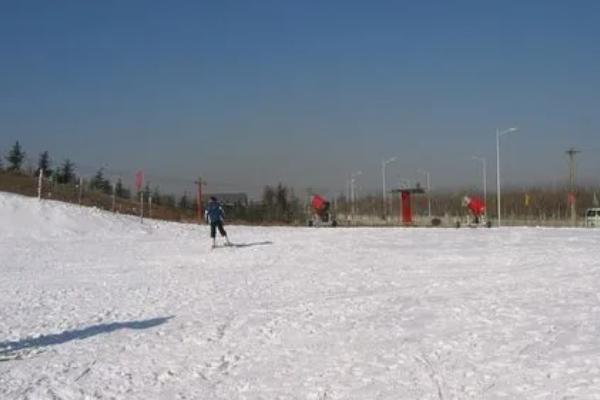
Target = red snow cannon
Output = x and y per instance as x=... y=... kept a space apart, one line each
x=476 y=207
x=319 y=204
x=320 y=209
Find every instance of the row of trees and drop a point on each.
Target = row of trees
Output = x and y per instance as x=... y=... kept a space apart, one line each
x=279 y=203
x=64 y=173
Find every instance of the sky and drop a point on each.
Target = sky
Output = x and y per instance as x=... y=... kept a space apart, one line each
x=248 y=93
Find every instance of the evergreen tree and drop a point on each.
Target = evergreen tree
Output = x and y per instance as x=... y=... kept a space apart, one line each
x=120 y=190
x=100 y=183
x=147 y=192
x=169 y=200
x=15 y=157
x=295 y=207
x=44 y=164
x=156 y=198
x=55 y=175
x=281 y=197
x=66 y=173
x=97 y=182
x=184 y=202
x=268 y=200
x=108 y=187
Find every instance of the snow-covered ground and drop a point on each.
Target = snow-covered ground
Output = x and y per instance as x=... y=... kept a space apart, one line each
x=94 y=305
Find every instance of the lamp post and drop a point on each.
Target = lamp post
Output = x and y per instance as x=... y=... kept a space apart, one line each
x=384 y=163
x=498 y=135
x=348 y=200
x=426 y=173
x=484 y=173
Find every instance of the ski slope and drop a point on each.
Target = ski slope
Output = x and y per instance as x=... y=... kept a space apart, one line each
x=98 y=306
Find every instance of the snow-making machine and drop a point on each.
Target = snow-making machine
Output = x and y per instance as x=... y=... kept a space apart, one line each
x=320 y=210
x=476 y=216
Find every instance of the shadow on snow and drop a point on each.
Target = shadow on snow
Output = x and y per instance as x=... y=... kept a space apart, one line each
x=251 y=244
x=77 y=334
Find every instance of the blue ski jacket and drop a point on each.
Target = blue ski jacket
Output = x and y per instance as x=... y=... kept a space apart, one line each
x=214 y=212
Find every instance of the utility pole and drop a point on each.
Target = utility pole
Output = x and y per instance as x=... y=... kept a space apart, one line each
x=498 y=196
x=352 y=192
x=428 y=175
x=139 y=182
x=199 y=182
x=352 y=196
x=348 y=201
x=484 y=174
x=114 y=197
x=40 y=179
x=141 y=206
x=384 y=163
x=571 y=153
x=80 y=189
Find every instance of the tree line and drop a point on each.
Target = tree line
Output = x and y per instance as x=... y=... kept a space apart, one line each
x=518 y=203
x=278 y=203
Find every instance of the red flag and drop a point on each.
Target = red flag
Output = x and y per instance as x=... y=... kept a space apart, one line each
x=139 y=180
x=571 y=199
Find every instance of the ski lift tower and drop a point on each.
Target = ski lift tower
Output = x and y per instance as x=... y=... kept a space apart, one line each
x=405 y=206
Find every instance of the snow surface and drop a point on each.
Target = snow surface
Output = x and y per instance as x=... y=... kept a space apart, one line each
x=98 y=306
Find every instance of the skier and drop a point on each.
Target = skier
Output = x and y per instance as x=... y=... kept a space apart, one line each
x=214 y=215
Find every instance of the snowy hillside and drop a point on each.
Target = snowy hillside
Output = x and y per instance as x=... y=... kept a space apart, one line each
x=98 y=306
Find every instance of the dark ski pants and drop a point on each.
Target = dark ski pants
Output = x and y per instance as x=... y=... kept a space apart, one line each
x=213 y=229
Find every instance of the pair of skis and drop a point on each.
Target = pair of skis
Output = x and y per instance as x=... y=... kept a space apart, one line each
x=226 y=244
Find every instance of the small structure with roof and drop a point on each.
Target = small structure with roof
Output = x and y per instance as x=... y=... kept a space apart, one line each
x=406 y=208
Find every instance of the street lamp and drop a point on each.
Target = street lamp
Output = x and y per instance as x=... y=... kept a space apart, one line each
x=404 y=183
x=498 y=135
x=384 y=163
x=484 y=173
x=352 y=194
x=426 y=173
x=348 y=200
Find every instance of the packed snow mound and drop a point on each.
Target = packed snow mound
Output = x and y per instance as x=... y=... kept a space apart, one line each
x=32 y=218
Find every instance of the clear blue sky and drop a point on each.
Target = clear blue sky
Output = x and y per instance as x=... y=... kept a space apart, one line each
x=254 y=92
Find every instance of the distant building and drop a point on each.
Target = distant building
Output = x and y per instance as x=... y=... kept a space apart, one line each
x=229 y=199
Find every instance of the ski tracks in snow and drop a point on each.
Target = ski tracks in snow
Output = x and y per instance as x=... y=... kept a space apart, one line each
x=102 y=308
